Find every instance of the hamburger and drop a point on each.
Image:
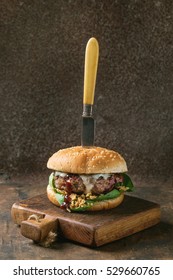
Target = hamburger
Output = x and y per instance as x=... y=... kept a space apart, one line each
x=87 y=179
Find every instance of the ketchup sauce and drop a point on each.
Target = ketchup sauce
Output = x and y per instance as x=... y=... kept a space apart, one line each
x=67 y=198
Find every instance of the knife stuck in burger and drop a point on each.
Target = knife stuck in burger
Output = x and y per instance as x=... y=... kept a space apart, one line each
x=86 y=177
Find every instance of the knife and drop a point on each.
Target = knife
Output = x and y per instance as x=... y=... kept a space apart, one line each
x=90 y=73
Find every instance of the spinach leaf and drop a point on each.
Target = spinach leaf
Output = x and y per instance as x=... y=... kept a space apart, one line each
x=81 y=208
x=60 y=198
x=127 y=182
x=51 y=179
x=52 y=184
x=110 y=195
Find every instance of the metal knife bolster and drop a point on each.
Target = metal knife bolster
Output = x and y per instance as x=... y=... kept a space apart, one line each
x=87 y=110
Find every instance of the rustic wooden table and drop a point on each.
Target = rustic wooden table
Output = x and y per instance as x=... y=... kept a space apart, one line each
x=153 y=243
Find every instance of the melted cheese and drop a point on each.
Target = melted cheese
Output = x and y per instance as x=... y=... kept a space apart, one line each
x=62 y=174
x=88 y=180
x=96 y=176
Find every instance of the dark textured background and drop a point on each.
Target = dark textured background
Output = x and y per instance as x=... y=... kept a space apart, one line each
x=42 y=46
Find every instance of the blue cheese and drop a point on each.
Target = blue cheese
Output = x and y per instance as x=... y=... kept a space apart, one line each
x=88 y=180
x=105 y=176
x=62 y=174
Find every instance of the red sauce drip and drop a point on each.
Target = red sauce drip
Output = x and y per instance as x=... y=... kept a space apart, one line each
x=63 y=205
x=67 y=198
x=68 y=187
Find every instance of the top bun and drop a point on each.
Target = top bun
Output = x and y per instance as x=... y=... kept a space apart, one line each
x=87 y=160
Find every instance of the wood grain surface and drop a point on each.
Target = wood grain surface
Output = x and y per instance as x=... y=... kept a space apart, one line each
x=152 y=243
x=89 y=228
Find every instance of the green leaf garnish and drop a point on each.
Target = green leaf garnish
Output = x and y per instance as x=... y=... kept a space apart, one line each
x=60 y=198
x=110 y=195
x=127 y=182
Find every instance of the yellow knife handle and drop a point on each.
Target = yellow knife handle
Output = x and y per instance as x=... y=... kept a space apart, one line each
x=90 y=71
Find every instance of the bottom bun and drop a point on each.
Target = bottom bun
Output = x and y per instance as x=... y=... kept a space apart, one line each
x=100 y=205
x=107 y=204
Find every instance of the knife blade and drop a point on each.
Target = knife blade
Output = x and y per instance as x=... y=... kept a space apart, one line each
x=90 y=73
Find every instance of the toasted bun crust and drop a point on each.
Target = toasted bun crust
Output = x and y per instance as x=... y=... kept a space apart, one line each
x=87 y=160
x=101 y=205
x=51 y=195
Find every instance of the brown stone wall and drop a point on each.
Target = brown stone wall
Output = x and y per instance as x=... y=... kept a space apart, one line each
x=42 y=46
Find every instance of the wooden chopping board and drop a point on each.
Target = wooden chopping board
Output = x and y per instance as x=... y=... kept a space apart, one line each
x=89 y=228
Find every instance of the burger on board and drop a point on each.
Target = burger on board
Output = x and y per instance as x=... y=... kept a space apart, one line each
x=87 y=179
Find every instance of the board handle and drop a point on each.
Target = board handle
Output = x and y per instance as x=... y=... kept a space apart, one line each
x=40 y=229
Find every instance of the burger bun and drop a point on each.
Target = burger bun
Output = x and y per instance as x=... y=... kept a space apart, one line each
x=87 y=160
